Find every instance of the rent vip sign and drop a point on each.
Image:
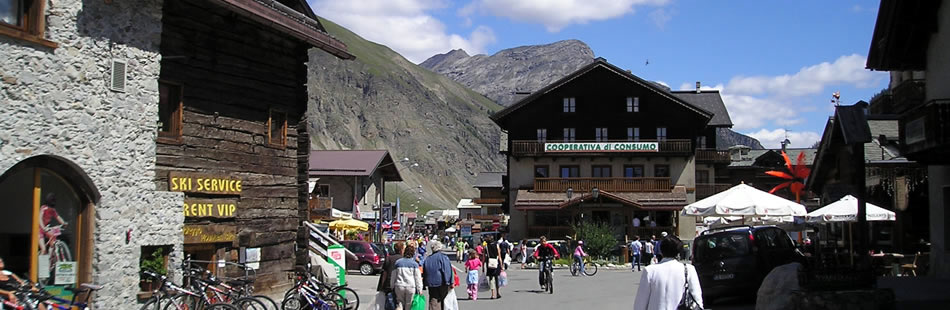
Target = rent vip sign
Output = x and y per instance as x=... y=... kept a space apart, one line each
x=602 y=147
x=209 y=185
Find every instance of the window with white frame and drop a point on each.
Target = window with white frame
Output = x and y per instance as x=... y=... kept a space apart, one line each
x=661 y=133
x=633 y=104
x=542 y=135
x=600 y=134
x=569 y=134
x=569 y=105
x=633 y=134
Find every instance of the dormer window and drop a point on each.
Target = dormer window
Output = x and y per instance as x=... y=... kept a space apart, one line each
x=633 y=104
x=569 y=105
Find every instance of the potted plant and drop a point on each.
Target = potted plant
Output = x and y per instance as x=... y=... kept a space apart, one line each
x=154 y=263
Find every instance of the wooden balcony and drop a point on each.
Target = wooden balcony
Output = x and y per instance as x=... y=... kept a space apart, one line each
x=704 y=190
x=925 y=131
x=583 y=185
x=535 y=148
x=908 y=95
x=488 y=201
x=712 y=156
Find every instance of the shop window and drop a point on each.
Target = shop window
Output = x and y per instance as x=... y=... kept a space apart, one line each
x=169 y=111
x=277 y=128
x=661 y=171
x=545 y=218
x=24 y=20
x=600 y=216
x=47 y=232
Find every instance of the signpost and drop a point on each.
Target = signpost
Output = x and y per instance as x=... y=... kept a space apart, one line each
x=602 y=147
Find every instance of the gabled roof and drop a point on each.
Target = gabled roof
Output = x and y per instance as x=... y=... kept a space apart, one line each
x=598 y=63
x=489 y=179
x=358 y=163
x=708 y=100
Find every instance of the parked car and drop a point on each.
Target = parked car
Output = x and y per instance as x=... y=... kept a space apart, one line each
x=733 y=260
x=369 y=257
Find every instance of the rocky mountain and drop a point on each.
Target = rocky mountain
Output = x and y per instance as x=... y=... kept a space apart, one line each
x=726 y=138
x=383 y=101
x=519 y=69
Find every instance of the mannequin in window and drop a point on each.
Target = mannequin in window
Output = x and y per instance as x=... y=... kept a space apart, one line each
x=49 y=233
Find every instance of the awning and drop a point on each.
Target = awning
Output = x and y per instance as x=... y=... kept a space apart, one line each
x=349 y=225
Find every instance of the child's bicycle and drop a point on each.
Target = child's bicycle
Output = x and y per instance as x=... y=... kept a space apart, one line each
x=590 y=269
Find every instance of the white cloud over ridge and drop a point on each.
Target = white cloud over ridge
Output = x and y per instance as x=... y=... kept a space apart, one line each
x=557 y=14
x=772 y=139
x=760 y=101
x=403 y=25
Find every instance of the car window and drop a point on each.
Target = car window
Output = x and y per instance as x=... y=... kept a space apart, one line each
x=723 y=245
x=377 y=249
x=773 y=238
x=355 y=247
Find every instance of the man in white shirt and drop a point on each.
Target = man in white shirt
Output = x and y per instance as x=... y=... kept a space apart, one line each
x=635 y=247
x=662 y=285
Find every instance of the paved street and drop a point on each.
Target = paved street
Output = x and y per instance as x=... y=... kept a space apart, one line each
x=608 y=289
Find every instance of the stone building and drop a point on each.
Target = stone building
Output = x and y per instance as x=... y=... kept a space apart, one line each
x=604 y=145
x=86 y=130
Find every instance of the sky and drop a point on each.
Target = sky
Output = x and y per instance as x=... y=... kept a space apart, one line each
x=775 y=63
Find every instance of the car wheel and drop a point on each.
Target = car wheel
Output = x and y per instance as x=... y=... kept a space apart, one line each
x=366 y=269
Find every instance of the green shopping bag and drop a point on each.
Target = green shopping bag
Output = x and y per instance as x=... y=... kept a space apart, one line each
x=418 y=302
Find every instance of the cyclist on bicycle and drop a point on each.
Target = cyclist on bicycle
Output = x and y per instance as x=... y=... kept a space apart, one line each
x=579 y=255
x=543 y=254
x=49 y=233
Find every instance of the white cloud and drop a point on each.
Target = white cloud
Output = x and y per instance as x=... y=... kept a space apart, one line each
x=755 y=102
x=403 y=25
x=809 y=80
x=772 y=139
x=557 y=14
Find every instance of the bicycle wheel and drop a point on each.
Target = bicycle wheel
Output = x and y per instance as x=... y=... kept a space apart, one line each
x=63 y=251
x=183 y=302
x=221 y=307
x=152 y=304
x=590 y=269
x=350 y=299
x=268 y=302
x=249 y=303
x=550 y=280
x=291 y=303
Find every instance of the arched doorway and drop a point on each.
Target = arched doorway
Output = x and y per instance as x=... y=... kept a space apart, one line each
x=47 y=227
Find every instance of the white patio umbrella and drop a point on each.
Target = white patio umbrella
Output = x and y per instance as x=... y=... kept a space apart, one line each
x=846 y=210
x=744 y=200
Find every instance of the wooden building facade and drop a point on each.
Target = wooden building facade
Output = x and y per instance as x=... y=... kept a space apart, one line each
x=233 y=133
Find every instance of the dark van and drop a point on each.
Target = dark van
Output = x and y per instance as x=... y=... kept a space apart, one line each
x=733 y=260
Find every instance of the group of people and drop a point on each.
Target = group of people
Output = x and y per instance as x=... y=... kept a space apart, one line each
x=492 y=257
x=646 y=252
x=405 y=275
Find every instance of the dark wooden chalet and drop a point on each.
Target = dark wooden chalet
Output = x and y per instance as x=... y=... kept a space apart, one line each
x=233 y=133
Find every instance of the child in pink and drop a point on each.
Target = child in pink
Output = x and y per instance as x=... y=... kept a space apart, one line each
x=472 y=265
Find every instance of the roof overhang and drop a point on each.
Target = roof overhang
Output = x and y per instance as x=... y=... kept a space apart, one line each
x=625 y=199
x=286 y=20
x=901 y=35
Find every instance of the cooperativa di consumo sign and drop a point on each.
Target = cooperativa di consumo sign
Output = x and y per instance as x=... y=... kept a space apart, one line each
x=602 y=147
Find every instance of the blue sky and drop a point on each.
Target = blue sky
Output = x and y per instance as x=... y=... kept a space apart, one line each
x=776 y=63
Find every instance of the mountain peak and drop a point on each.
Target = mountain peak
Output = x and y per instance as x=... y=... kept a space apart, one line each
x=523 y=68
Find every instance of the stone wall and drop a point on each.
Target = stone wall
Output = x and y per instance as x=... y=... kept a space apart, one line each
x=56 y=102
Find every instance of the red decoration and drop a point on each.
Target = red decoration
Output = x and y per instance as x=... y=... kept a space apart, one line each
x=796 y=175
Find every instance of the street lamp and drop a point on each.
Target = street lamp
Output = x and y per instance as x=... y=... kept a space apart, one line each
x=595 y=192
x=570 y=192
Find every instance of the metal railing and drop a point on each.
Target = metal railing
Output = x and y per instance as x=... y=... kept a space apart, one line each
x=582 y=185
x=535 y=148
x=712 y=155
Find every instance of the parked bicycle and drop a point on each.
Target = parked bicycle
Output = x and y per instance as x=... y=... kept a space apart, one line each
x=309 y=293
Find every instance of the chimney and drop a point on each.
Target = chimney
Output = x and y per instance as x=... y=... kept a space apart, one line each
x=697 y=86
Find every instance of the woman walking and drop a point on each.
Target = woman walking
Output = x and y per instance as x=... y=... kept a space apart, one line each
x=524 y=252
x=473 y=264
x=406 y=279
x=669 y=283
x=493 y=267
